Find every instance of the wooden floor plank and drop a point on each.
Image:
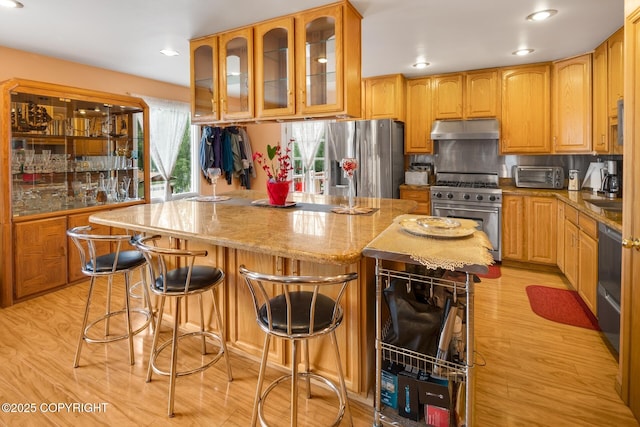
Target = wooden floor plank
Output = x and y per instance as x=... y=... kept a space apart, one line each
x=529 y=372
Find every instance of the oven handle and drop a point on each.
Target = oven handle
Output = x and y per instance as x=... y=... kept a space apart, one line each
x=465 y=209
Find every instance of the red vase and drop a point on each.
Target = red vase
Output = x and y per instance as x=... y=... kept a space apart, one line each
x=278 y=192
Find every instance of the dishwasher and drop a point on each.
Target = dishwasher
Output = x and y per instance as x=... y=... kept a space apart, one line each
x=609 y=284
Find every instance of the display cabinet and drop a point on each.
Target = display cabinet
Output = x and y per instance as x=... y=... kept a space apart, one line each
x=204 y=80
x=236 y=74
x=64 y=151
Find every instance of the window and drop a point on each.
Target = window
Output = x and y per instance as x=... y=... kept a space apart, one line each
x=173 y=150
x=308 y=147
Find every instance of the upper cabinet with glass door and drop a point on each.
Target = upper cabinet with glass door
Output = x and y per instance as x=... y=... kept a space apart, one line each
x=328 y=61
x=274 y=44
x=204 y=80
x=306 y=65
x=236 y=74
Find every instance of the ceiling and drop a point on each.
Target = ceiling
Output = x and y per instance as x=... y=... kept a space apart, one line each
x=452 y=35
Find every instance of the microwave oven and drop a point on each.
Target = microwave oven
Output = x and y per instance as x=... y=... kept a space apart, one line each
x=539 y=176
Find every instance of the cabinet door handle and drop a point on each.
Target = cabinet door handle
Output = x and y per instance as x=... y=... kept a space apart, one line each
x=631 y=243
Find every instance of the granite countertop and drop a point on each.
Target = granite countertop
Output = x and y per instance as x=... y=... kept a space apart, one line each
x=576 y=199
x=307 y=231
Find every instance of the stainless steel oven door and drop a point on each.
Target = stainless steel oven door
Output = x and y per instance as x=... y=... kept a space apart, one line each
x=488 y=218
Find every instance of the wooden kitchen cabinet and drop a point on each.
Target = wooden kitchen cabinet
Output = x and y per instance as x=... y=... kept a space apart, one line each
x=482 y=94
x=560 y=235
x=204 y=79
x=513 y=228
x=275 y=68
x=422 y=195
x=235 y=62
x=447 y=96
x=588 y=264
x=526 y=109
x=40 y=257
x=571 y=252
x=615 y=70
x=385 y=97
x=572 y=105
x=333 y=86
x=599 y=100
x=529 y=229
x=417 y=138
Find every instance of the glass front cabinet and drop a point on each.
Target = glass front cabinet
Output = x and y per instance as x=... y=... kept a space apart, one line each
x=66 y=153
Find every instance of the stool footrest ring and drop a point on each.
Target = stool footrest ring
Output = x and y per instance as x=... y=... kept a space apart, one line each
x=201 y=368
x=311 y=375
x=124 y=336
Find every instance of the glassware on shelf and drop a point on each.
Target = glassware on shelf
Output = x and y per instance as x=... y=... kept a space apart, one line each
x=101 y=195
x=124 y=188
x=214 y=174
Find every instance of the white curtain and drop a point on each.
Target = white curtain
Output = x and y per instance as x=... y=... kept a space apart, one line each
x=167 y=123
x=308 y=135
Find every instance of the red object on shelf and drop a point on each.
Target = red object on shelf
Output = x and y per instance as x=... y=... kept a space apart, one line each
x=278 y=192
x=30 y=177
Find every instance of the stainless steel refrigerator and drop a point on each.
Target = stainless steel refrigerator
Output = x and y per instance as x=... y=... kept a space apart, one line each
x=379 y=147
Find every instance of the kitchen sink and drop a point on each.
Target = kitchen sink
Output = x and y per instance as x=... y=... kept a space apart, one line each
x=607 y=205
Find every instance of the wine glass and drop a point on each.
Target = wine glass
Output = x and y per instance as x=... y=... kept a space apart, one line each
x=214 y=174
x=126 y=182
x=349 y=166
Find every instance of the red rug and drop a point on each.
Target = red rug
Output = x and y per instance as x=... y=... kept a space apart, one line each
x=493 y=273
x=562 y=306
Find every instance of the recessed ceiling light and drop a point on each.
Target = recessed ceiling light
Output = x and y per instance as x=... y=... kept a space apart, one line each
x=421 y=65
x=322 y=60
x=11 y=3
x=169 y=52
x=542 y=15
x=522 y=52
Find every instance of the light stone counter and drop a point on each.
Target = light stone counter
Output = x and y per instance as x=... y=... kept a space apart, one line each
x=307 y=231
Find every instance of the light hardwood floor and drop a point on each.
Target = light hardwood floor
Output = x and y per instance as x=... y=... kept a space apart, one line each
x=534 y=372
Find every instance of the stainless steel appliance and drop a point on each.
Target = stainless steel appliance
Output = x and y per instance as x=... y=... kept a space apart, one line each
x=474 y=196
x=379 y=147
x=610 y=182
x=609 y=283
x=539 y=176
x=467 y=165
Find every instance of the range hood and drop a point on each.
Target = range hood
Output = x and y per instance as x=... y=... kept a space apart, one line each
x=444 y=130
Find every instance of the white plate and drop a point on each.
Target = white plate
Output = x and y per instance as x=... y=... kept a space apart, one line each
x=434 y=222
x=411 y=226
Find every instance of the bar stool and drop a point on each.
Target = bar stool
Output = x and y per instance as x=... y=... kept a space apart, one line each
x=185 y=280
x=94 y=264
x=299 y=313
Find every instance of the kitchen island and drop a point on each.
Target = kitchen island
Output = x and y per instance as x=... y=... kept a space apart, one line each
x=306 y=238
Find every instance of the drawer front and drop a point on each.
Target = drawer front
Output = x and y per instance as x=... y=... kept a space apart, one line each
x=588 y=225
x=421 y=196
x=571 y=214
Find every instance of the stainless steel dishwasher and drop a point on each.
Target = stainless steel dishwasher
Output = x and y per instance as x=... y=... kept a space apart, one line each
x=609 y=284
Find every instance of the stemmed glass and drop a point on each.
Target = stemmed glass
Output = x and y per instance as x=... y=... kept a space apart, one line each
x=126 y=182
x=349 y=166
x=214 y=174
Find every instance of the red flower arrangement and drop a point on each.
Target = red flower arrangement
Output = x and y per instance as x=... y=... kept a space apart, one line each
x=279 y=171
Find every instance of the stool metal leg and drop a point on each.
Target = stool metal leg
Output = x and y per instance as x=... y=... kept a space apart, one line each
x=127 y=304
x=294 y=383
x=108 y=306
x=147 y=297
x=263 y=367
x=223 y=339
x=174 y=357
x=156 y=334
x=76 y=360
x=343 y=385
x=203 y=339
x=305 y=343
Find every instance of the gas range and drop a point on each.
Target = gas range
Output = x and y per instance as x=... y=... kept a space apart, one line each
x=477 y=188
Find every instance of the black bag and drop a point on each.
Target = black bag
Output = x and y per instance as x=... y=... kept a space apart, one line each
x=414 y=325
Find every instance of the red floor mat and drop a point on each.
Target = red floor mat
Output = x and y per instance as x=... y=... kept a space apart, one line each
x=494 y=272
x=561 y=305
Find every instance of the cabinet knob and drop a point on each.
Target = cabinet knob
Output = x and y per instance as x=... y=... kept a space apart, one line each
x=631 y=243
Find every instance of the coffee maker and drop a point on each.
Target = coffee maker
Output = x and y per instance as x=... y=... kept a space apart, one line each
x=611 y=181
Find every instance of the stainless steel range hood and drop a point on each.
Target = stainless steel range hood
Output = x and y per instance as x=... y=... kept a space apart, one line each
x=446 y=130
